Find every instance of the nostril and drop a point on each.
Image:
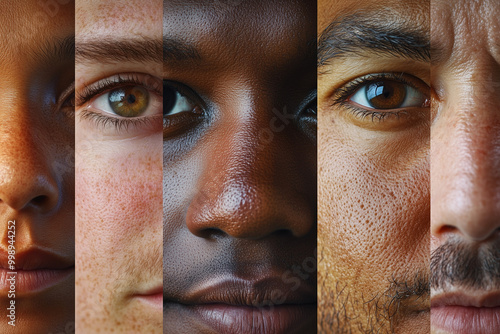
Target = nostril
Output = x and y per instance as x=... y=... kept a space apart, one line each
x=40 y=201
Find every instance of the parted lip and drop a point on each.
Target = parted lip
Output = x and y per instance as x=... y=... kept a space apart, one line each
x=469 y=298
x=36 y=259
x=261 y=292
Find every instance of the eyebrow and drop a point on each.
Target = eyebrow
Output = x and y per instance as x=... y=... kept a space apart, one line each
x=361 y=34
x=110 y=51
x=58 y=49
x=175 y=50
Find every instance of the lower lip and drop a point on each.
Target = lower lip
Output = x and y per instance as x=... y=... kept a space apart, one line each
x=32 y=281
x=252 y=320
x=466 y=319
x=154 y=299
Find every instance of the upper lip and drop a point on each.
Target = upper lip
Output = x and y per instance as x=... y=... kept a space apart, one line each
x=234 y=291
x=36 y=259
x=467 y=299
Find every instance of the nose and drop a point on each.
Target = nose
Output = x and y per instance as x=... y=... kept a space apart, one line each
x=465 y=166
x=250 y=188
x=27 y=181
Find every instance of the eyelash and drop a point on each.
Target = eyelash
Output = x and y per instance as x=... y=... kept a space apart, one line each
x=89 y=92
x=346 y=91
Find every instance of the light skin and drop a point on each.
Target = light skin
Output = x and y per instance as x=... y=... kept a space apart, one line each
x=36 y=157
x=373 y=205
x=465 y=158
x=240 y=203
x=118 y=163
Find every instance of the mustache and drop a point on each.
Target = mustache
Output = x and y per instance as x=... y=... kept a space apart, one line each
x=456 y=263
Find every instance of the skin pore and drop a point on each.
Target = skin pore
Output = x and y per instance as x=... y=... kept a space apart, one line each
x=465 y=182
x=118 y=163
x=36 y=168
x=373 y=228
x=239 y=167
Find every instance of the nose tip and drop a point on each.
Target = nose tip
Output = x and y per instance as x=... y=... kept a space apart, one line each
x=248 y=213
x=26 y=184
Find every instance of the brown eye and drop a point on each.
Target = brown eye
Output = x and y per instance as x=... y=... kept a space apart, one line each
x=388 y=94
x=129 y=101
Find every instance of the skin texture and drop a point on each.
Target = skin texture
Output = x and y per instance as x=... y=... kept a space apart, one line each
x=239 y=183
x=465 y=181
x=118 y=199
x=373 y=205
x=36 y=156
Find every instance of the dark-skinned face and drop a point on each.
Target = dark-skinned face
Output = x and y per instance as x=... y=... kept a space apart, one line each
x=239 y=167
x=36 y=165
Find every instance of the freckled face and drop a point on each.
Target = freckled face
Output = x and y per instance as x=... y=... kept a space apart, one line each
x=373 y=186
x=37 y=149
x=119 y=163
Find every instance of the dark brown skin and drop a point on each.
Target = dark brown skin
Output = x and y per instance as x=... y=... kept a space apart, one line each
x=236 y=202
x=37 y=155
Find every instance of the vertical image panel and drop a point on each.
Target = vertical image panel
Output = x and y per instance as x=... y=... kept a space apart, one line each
x=37 y=249
x=465 y=164
x=374 y=92
x=239 y=166
x=119 y=280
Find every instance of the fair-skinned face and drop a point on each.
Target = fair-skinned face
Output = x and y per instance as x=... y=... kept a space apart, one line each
x=465 y=157
x=36 y=165
x=118 y=162
x=373 y=205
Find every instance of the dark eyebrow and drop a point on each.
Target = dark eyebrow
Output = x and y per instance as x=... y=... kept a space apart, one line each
x=360 y=34
x=174 y=49
x=110 y=51
x=56 y=50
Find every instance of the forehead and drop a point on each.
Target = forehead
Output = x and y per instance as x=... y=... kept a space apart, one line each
x=463 y=27
x=28 y=25
x=237 y=30
x=413 y=12
x=121 y=19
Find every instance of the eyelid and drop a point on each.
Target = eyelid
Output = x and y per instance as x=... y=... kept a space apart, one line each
x=88 y=92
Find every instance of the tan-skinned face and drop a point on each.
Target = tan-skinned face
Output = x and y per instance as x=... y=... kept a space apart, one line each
x=118 y=201
x=373 y=205
x=36 y=156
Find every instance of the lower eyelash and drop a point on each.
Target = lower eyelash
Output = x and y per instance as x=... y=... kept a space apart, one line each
x=373 y=114
x=121 y=124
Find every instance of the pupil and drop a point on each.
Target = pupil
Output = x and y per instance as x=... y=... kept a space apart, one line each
x=169 y=99
x=131 y=99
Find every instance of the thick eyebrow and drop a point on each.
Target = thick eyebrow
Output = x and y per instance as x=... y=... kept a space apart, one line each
x=361 y=34
x=175 y=50
x=110 y=51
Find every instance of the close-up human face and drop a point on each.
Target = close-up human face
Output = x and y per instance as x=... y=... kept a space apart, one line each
x=373 y=155
x=239 y=174
x=118 y=164
x=465 y=180
x=36 y=168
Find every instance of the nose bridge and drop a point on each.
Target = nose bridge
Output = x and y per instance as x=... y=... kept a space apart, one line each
x=242 y=191
x=466 y=162
x=25 y=173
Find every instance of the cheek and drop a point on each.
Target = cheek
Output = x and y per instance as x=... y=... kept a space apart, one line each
x=117 y=194
x=372 y=208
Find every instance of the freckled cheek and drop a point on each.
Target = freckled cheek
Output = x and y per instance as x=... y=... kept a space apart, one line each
x=120 y=197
